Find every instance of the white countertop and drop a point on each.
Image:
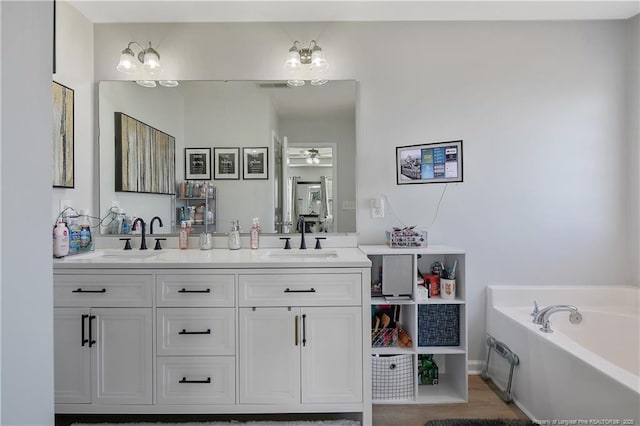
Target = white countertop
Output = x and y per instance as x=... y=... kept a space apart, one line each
x=216 y=258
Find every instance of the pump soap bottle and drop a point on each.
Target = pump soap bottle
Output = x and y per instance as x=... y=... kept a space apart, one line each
x=255 y=233
x=234 y=236
x=60 y=239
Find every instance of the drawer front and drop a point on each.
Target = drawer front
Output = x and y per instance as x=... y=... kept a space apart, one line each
x=195 y=331
x=195 y=290
x=104 y=290
x=195 y=380
x=300 y=290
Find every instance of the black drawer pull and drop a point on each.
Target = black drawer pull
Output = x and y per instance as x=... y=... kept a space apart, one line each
x=184 y=290
x=311 y=290
x=184 y=380
x=195 y=332
x=91 y=341
x=104 y=290
x=84 y=341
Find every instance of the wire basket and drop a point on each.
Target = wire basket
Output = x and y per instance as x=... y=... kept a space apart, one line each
x=384 y=337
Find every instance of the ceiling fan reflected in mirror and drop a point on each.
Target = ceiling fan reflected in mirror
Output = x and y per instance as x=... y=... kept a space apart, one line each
x=313 y=156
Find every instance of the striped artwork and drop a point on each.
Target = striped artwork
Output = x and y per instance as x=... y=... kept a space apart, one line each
x=144 y=157
x=62 y=136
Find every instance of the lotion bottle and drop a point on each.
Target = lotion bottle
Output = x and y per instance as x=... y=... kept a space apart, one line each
x=183 y=237
x=255 y=233
x=60 y=239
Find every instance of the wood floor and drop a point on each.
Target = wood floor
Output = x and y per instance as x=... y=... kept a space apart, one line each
x=483 y=404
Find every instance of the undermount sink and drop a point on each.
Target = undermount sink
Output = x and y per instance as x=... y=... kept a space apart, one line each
x=114 y=256
x=301 y=254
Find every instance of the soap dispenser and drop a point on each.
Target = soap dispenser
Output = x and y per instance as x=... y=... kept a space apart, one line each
x=234 y=236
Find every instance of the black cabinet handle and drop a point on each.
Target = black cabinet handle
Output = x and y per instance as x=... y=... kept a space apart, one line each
x=195 y=332
x=84 y=317
x=311 y=290
x=304 y=330
x=79 y=290
x=184 y=290
x=91 y=341
x=184 y=380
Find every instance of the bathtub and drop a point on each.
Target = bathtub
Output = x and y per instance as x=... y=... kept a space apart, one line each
x=586 y=373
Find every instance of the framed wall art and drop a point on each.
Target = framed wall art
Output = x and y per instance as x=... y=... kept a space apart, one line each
x=197 y=163
x=255 y=164
x=226 y=163
x=144 y=157
x=439 y=162
x=63 y=158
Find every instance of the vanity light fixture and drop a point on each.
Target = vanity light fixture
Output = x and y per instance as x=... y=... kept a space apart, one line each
x=152 y=83
x=149 y=58
x=313 y=59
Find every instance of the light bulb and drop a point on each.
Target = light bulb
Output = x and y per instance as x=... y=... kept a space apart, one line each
x=316 y=160
x=151 y=61
x=309 y=160
x=127 y=62
x=146 y=83
x=318 y=62
x=168 y=83
x=295 y=83
x=293 y=61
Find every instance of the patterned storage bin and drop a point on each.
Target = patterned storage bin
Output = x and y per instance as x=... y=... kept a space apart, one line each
x=439 y=325
x=392 y=377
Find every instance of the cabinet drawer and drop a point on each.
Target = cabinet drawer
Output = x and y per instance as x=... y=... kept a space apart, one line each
x=104 y=290
x=195 y=290
x=195 y=380
x=195 y=331
x=300 y=290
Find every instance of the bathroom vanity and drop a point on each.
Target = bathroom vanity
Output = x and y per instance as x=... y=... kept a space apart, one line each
x=217 y=331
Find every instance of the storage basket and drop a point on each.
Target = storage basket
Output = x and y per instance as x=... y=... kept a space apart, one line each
x=392 y=377
x=439 y=325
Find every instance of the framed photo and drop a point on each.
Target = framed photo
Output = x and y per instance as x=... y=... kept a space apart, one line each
x=197 y=164
x=63 y=158
x=255 y=163
x=226 y=163
x=439 y=162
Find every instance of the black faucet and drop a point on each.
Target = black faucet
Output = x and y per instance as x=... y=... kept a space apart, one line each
x=151 y=225
x=143 y=243
x=301 y=225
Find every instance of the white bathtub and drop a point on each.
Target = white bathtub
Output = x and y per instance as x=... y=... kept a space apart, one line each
x=585 y=373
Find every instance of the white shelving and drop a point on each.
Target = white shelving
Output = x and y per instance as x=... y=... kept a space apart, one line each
x=451 y=360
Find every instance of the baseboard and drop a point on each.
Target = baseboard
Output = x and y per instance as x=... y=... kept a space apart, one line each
x=474 y=366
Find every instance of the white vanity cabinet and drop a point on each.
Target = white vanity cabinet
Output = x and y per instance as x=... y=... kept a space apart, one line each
x=213 y=332
x=102 y=350
x=300 y=338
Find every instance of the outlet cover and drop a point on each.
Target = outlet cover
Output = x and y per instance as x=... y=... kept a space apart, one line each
x=348 y=205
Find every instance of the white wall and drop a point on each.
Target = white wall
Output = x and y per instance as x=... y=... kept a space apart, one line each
x=541 y=107
x=25 y=200
x=633 y=137
x=74 y=59
x=159 y=107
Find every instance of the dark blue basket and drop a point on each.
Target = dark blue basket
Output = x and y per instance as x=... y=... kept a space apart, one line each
x=438 y=325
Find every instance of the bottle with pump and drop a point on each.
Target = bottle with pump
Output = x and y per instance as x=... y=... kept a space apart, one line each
x=74 y=235
x=183 y=237
x=60 y=239
x=255 y=233
x=234 y=236
x=85 y=231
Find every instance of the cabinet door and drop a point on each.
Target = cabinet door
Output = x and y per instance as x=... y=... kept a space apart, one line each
x=331 y=354
x=122 y=356
x=269 y=367
x=72 y=356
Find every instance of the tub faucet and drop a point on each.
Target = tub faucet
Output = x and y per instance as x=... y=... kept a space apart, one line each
x=143 y=243
x=542 y=317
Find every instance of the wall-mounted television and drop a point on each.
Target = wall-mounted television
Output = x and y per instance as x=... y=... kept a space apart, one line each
x=439 y=162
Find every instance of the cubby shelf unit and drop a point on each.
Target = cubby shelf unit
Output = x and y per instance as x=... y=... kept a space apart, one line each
x=451 y=360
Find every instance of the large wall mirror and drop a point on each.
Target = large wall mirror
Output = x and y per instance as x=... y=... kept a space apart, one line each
x=243 y=149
